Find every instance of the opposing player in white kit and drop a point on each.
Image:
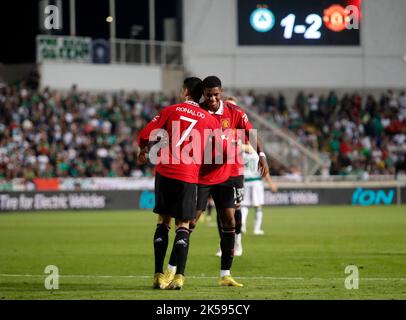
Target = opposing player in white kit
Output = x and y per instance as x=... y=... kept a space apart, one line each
x=253 y=190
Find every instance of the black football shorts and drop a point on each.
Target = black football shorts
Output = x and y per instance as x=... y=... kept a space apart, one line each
x=239 y=188
x=223 y=195
x=175 y=198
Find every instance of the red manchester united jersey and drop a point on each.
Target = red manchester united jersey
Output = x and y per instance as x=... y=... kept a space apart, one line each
x=232 y=117
x=180 y=150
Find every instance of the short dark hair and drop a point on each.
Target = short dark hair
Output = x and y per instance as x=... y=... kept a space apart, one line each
x=211 y=82
x=194 y=86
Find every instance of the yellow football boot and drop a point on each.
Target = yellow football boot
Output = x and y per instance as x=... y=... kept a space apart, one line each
x=159 y=281
x=177 y=282
x=169 y=275
x=228 y=281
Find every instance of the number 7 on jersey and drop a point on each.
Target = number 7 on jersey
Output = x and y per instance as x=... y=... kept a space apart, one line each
x=187 y=131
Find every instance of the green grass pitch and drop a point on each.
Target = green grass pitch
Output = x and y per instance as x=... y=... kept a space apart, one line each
x=303 y=255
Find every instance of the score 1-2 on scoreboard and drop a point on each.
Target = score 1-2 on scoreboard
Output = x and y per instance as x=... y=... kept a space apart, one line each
x=299 y=22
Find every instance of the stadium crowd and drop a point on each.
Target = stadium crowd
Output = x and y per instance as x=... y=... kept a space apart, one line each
x=78 y=134
x=361 y=135
x=47 y=133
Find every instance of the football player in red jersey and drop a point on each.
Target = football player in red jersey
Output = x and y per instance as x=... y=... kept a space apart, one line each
x=219 y=180
x=237 y=175
x=177 y=173
x=224 y=194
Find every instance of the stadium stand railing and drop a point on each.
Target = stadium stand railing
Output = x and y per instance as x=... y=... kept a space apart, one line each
x=145 y=52
x=120 y=51
x=285 y=148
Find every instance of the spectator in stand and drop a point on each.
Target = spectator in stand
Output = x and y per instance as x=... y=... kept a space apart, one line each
x=313 y=107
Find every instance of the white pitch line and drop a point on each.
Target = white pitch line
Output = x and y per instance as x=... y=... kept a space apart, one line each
x=200 y=277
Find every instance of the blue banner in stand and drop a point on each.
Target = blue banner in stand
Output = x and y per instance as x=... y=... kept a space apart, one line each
x=101 y=51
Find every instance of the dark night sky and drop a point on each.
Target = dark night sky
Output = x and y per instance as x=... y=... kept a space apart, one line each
x=19 y=27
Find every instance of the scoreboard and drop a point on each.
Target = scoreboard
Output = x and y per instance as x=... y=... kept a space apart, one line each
x=299 y=22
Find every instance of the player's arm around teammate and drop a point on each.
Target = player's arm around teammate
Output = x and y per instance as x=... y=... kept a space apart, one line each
x=176 y=177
